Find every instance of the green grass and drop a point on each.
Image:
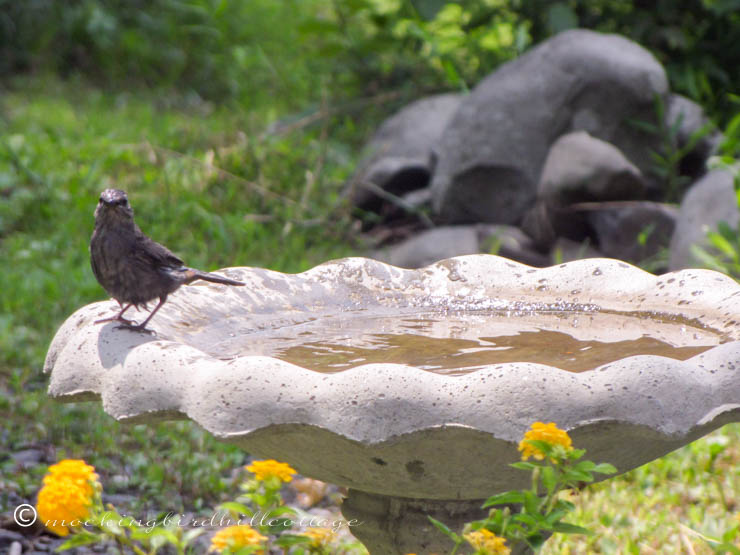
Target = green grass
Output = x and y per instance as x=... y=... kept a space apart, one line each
x=664 y=506
x=208 y=182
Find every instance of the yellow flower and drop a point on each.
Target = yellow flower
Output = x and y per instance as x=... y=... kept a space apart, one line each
x=236 y=537
x=65 y=499
x=487 y=543
x=264 y=470
x=74 y=470
x=549 y=433
x=320 y=537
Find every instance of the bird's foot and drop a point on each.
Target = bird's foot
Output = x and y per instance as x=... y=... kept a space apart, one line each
x=131 y=326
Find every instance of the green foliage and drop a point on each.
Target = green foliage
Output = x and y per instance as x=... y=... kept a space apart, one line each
x=540 y=509
x=218 y=190
x=389 y=43
x=673 y=500
x=667 y=159
x=723 y=252
x=251 y=51
x=213 y=48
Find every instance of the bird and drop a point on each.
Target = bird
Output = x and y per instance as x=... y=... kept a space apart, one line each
x=131 y=267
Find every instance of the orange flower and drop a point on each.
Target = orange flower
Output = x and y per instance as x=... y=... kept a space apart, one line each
x=263 y=470
x=548 y=433
x=236 y=537
x=487 y=543
x=65 y=499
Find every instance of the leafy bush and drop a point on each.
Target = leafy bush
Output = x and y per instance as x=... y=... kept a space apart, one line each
x=437 y=43
x=214 y=48
x=262 y=49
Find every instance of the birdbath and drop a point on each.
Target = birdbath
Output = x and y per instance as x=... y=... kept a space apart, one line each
x=412 y=388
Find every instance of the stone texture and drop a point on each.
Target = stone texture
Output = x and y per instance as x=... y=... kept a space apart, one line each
x=634 y=231
x=709 y=201
x=443 y=242
x=397 y=430
x=578 y=168
x=582 y=168
x=493 y=150
x=431 y=246
x=400 y=154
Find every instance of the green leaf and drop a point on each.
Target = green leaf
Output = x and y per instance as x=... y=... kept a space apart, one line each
x=281 y=510
x=504 y=499
x=535 y=541
x=576 y=454
x=573 y=475
x=444 y=529
x=585 y=466
x=563 y=505
x=604 y=468
x=727 y=231
x=549 y=478
x=645 y=126
x=531 y=503
x=527 y=519
x=525 y=465
x=238 y=508
x=453 y=77
x=158 y=536
x=554 y=517
x=731 y=534
x=722 y=244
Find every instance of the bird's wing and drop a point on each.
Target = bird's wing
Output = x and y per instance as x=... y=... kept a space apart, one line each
x=159 y=255
x=96 y=271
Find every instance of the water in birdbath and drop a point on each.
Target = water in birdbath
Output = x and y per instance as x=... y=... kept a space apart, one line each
x=460 y=342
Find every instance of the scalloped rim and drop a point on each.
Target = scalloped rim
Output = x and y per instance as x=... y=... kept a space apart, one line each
x=381 y=408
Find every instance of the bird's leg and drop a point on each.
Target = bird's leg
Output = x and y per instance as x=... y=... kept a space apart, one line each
x=142 y=326
x=118 y=317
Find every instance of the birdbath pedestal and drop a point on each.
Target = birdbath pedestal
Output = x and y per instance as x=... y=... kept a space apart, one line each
x=332 y=371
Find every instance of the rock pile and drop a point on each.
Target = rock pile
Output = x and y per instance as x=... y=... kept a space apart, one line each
x=551 y=157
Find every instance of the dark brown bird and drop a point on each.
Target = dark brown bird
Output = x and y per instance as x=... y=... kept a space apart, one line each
x=131 y=267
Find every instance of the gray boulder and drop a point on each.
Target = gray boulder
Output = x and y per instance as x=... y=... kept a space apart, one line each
x=579 y=168
x=709 y=201
x=493 y=150
x=400 y=155
x=582 y=168
x=638 y=232
x=446 y=242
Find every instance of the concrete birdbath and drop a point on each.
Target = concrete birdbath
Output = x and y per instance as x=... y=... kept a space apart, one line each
x=413 y=387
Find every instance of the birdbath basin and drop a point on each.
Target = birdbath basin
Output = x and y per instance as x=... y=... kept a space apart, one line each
x=413 y=387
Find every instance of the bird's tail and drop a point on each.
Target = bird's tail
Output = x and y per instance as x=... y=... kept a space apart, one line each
x=191 y=274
